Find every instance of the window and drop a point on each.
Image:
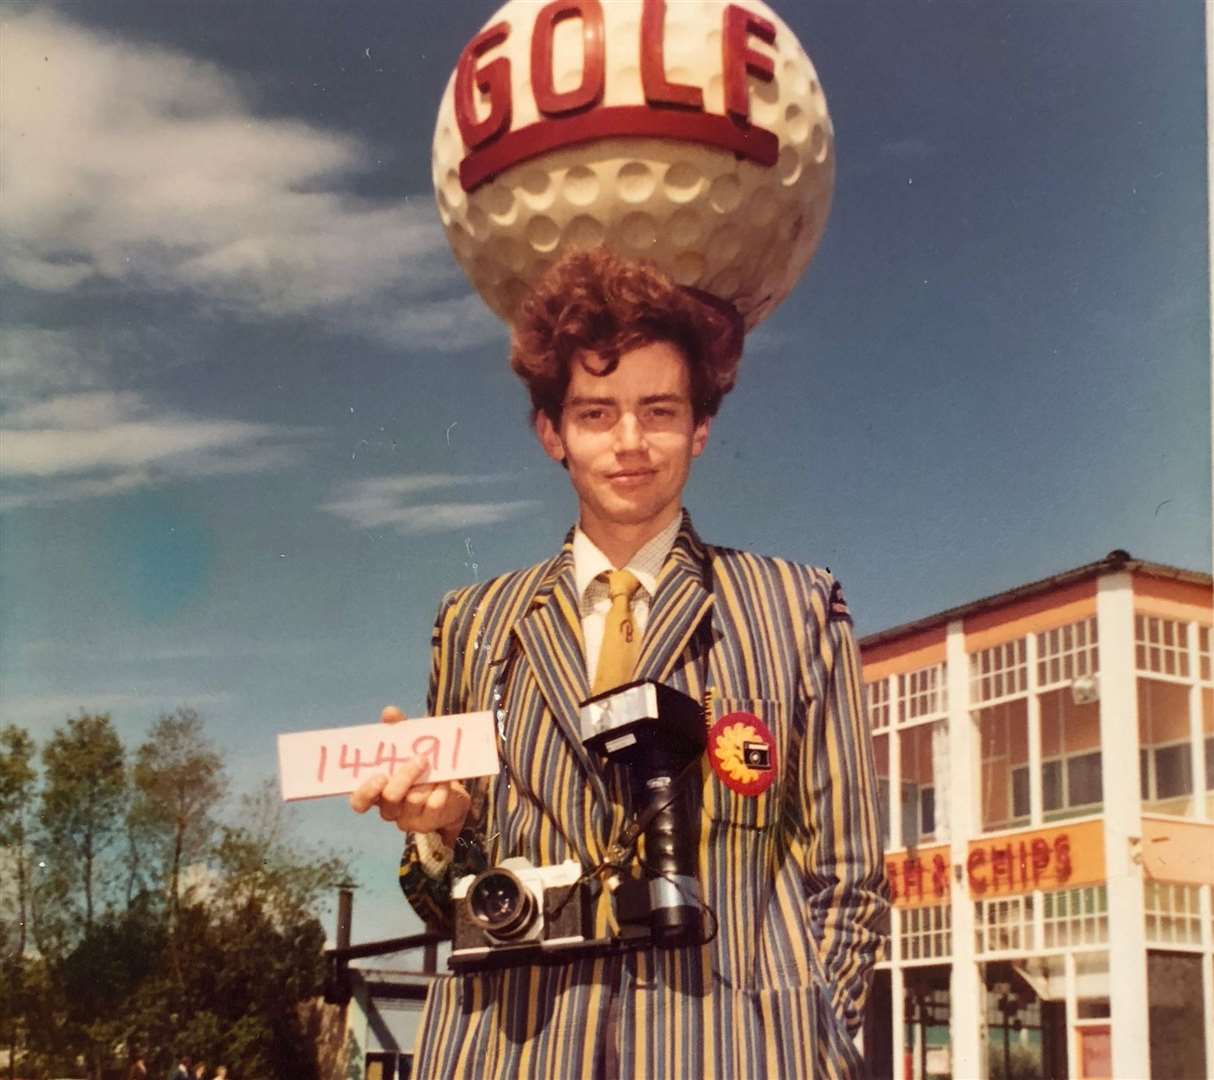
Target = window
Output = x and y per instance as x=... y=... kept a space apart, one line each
x=878 y=704
x=1004 y=925
x=922 y=694
x=1166 y=753
x=999 y=672
x=1160 y=646
x=1020 y=792
x=1003 y=731
x=1083 y=781
x=911 y=708
x=1173 y=772
x=1066 y=784
x=1075 y=916
x=1173 y=913
x=927 y=932
x=1067 y=653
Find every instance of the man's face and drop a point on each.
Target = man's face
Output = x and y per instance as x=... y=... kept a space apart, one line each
x=628 y=438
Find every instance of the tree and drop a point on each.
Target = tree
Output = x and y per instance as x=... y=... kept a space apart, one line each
x=260 y=862
x=178 y=781
x=84 y=799
x=17 y=778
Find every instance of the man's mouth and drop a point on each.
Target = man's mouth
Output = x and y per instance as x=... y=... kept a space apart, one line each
x=630 y=477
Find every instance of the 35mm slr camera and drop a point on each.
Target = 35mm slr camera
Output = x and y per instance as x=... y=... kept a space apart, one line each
x=518 y=913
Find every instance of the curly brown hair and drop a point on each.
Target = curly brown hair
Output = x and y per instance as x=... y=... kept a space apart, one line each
x=592 y=301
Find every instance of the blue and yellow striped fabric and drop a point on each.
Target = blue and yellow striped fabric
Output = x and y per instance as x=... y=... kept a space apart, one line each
x=795 y=875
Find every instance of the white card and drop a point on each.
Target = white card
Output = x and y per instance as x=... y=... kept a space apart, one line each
x=335 y=761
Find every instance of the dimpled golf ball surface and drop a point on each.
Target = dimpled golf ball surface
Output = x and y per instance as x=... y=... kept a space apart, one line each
x=710 y=219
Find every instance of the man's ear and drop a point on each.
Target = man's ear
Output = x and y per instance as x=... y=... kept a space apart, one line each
x=549 y=437
x=699 y=437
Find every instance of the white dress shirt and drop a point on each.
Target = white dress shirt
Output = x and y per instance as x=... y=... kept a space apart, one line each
x=593 y=600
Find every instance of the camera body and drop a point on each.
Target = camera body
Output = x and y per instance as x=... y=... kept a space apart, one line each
x=519 y=913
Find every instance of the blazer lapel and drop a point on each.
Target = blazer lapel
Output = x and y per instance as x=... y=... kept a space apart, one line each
x=550 y=636
x=681 y=603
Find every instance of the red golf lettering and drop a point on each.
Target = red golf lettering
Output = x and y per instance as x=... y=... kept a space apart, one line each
x=589 y=92
x=658 y=89
x=493 y=80
x=738 y=59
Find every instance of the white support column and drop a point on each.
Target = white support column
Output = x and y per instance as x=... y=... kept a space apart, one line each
x=1072 y=1014
x=1197 y=757
x=1122 y=827
x=1034 y=732
x=967 y=997
x=897 y=988
x=1207 y=972
x=896 y=839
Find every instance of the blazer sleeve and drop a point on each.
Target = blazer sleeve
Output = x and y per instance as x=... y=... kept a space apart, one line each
x=842 y=855
x=430 y=895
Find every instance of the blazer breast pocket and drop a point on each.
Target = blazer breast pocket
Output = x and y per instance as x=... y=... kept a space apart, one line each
x=743 y=761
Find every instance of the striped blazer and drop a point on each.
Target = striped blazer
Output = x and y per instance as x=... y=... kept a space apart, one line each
x=794 y=875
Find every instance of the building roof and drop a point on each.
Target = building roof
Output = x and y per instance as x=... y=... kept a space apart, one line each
x=1115 y=561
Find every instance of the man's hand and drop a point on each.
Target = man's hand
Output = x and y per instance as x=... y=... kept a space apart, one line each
x=413 y=805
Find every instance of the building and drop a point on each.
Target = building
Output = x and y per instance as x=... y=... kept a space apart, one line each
x=1046 y=761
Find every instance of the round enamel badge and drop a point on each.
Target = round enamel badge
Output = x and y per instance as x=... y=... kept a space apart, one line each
x=742 y=752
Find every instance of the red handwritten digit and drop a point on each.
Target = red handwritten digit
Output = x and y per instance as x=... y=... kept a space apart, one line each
x=459 y=737
x=344 y=761
x=427 y=746
x=324 y=757
x=391 y=759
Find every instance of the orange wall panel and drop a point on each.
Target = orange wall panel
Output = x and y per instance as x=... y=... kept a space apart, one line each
x=1030 y=616
x=1180 y=851
x=1173 y=599
x=909 y=653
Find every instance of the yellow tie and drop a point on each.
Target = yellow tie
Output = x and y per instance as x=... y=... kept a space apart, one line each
x=621 y=642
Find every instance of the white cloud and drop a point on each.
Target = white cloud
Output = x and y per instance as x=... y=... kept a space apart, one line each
x=98 y=443
x=385 y=502
x=144 y=166
x=37 y=359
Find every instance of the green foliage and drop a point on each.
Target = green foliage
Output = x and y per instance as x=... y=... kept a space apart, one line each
x=84 y=797
x=218 y=971
x=178 y=780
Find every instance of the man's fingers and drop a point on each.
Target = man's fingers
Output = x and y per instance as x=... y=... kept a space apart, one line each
x=391 y=715
x=404 y=778
x=365 y=795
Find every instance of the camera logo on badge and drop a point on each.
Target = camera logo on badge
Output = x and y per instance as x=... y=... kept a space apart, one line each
x=742 y=752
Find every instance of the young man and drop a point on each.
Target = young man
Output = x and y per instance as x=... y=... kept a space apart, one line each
x=625 y=372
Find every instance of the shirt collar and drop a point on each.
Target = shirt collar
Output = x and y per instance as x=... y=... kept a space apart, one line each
x=589 y=562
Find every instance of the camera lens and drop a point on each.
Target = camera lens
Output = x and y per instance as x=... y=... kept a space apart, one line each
x=501 y=903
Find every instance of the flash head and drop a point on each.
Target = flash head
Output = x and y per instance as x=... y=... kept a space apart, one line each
x=627 y=723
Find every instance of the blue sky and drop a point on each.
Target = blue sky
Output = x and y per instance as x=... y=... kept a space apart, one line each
x=254 y=422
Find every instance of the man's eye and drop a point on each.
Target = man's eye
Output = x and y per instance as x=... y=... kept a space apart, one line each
x=591 y=414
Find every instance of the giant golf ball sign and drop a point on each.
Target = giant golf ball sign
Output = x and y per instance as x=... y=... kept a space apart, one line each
x=692 y=134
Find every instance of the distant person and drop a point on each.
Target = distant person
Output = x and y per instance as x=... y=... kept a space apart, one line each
x=200 y=1071
x=138 y=1069
x=182 y=1069
x=221 y=1072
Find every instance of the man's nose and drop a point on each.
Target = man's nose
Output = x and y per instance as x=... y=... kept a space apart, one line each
x=629 y=435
